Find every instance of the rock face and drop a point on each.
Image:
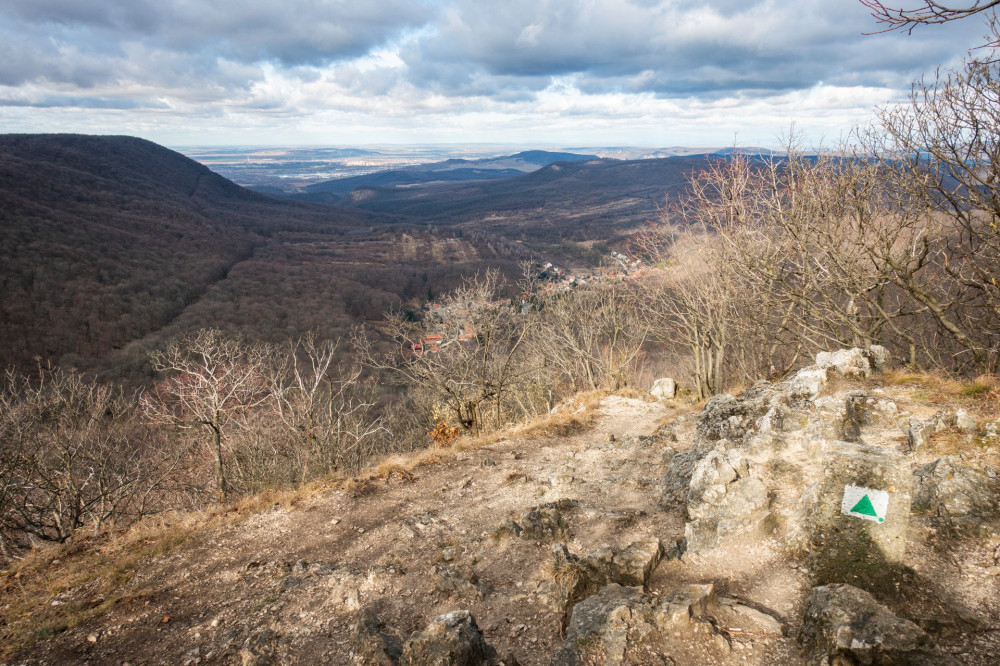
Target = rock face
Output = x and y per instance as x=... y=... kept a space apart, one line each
x=665 y=388
x=947 y=488
x=860 y=513
x=724 y=501
x=846 y=625
x=452 y=639
x=677 y=481
x=779 y=458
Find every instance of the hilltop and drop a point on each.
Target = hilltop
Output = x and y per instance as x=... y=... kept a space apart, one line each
x=622 y=529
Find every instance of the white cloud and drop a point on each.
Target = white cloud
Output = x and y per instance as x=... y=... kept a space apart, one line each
x=307 y=71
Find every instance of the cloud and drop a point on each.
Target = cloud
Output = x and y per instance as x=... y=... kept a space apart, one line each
x=410 y=65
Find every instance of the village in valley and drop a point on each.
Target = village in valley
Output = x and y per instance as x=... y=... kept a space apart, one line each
x=448 y=323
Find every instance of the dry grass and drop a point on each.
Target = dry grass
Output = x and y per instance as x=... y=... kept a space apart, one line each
x=980 y=395
x=99 y=568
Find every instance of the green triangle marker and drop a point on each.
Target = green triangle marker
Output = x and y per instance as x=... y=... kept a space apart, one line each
x=864 y=507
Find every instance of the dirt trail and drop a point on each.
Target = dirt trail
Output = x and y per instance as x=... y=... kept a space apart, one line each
x=303 y=572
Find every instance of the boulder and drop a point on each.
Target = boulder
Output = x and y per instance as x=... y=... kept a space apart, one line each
x=858 y=513
x=965 y=422
x=665 y=388
x=846 y=625
x=918 y=434
x=676 y=484
x=725 y=502
x=808 y=383
x=854 y=363
x=373 y=642
x=598 y=630
x=452 y=639
x=542 y=523
x=948 y=488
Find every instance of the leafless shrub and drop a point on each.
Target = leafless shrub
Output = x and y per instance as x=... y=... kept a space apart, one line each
x=72 y=454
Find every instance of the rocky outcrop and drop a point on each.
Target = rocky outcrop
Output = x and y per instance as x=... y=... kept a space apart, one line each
x=859 y=513
x=373 y=641
x=846 y=625
x=622 y=625
x=947 y=488
x=676 y=484
x=599 y=628
x=856 y=363
x=542 y=523
x=724 y=501
x=665 y=388
x=576 y=578
x=452 y=639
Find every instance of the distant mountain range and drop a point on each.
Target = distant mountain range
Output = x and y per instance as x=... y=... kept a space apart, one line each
x=452 y=170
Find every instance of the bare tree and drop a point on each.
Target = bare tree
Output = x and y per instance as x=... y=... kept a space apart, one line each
x=594 y=335
x=928 y=12
x=326 y=413
x=214 y=382
x=946 y=139
x=471 y=359
x=70 y=455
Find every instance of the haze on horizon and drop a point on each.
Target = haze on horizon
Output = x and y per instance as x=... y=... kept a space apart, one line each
x=334 y=72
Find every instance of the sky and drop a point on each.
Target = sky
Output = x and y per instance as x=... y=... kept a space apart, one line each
x=527 y=72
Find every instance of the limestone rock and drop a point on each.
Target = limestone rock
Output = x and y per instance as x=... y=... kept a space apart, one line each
x=854 y=363
x=860 y=547
x=452 y=639
x=808 y=383
x=542 y=523
x=965 y=422
x=739 y=618
x=676 y=483
x=665 y=388
x=456 y=580
x=919 y=433
x=373 y=642
x=681 y=605
x=725 y=502
x=599 y=628
x=946 y=487
x=846 y=625
x=633 y=565
x=577 y=578
x=259 y=648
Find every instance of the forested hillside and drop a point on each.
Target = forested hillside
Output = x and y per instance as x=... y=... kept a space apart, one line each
x=107 y=240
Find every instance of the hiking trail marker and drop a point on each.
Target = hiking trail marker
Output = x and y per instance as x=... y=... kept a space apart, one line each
x=865 y=503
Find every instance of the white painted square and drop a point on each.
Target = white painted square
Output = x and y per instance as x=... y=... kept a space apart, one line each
x=854 y=496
